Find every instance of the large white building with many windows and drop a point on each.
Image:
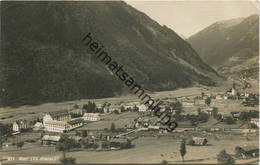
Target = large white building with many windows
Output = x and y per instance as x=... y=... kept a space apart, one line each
x=91 y=116
x=60 y=121
x=62 y=126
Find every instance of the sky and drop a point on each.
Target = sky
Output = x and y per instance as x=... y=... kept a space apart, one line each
x=187 y=17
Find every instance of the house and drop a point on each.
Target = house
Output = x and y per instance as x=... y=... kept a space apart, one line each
x=76 y=111
x=232 y=91
x=188 y=103
x=235 y=115
x=115 y=108
x=225 y=97
x=255 y=121
x=219 y=97
x=50 y=140
x=56 y=126
x=57 y=115
x=62 y=126
x=142 y=108
x=153 y=127
x=75 y=123
x=19 y=125
x=91 y=117
x=215 y=129
x=198 y=141
x=251 y=101
x=247 y=151
x=37 y=126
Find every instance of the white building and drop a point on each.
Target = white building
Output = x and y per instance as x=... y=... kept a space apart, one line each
x=188 y=103
x=255 y=121
x=142 y=108
x=57 y=115
x=37 y=126
x=62 y=126
x=20 y=124
x=49 y=140
x=219 y=97
x=234 y=91
x=91 y=117
x=56 y=126
x=16 y=127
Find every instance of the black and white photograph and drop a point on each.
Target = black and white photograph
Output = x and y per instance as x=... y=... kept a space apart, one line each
x=129 y=82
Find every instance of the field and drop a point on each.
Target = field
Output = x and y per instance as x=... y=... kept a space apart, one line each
x=148 y=149
x=11 y=114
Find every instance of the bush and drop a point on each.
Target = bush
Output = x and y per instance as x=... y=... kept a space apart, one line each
x=30 y=141
x=203 y=117
x=225 y=158
x=229 y=120
x=105 y=145
x=113 y=127
x=238 y=151
x=20 y=144
x=164 y=162
x=126 y=145
x=253 y=125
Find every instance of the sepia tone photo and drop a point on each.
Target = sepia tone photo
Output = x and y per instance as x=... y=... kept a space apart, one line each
x=129 y=82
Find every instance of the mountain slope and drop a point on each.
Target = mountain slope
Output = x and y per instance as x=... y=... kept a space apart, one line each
x=228 y=43
x=43 y=59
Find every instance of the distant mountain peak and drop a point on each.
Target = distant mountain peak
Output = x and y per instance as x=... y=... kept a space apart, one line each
x=229 y=43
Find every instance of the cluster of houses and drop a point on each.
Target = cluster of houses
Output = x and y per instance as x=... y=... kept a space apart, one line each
x=67 y=120
x=57 y=121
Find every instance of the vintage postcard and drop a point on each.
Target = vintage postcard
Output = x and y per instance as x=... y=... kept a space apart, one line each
x=129 y=82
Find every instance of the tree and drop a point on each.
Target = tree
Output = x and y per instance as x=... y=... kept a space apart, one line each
x=202 y=94
x=66 y=144
x=84 y=133
x=19 y=145
x=183 y=149
x=164 y=162
x=219 y=117
x=1 y=141
x=214 y=112
x=207 y=101
x=76 y=106
x=238 y=151
x=198 y=111
x=135 y=109
x=122 y=108
x=243 y=116
x=6 y=130
x=229 y=120
x=113 y=127
x=203 y=117
x=105 y=145
x=224 y=158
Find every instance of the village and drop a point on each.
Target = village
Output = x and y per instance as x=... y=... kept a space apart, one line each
x=112 y=127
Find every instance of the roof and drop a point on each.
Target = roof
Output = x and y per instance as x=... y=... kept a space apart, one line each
x=121 y=140
x=51 y=138
x=188 y=101
x=59 y=113
x=198 y=140
x=20 y=122
x=38 y=124
x=91 y=114
x=249 y=148
x=55 y=122
x=76 y=121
